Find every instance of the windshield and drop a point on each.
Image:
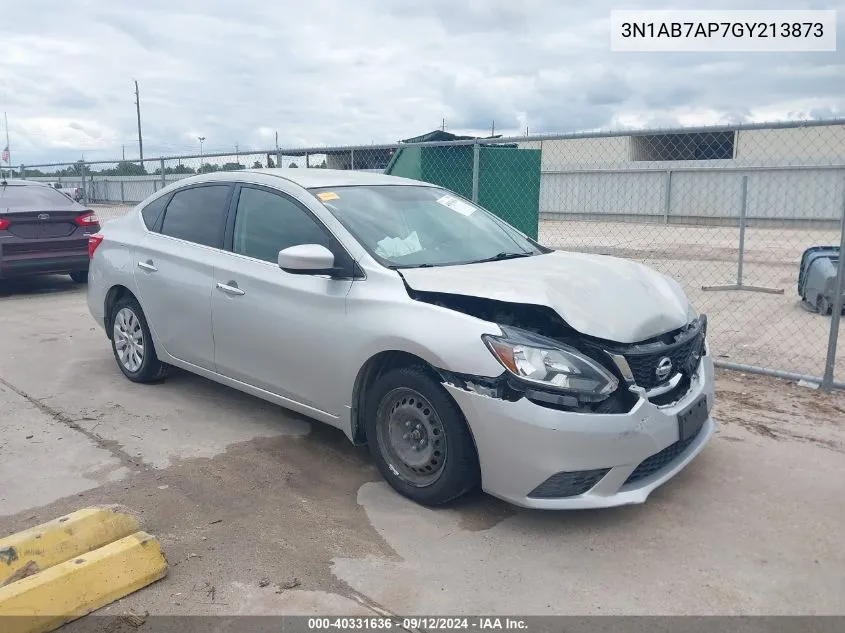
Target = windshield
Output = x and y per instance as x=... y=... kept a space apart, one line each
x=407 y=226
x=32 y=196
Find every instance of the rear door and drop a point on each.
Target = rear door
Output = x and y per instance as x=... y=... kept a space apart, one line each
x=174 y=269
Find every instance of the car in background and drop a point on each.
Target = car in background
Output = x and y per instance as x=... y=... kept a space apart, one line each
x=43 y=231
x=74 y=193
x=460 y=350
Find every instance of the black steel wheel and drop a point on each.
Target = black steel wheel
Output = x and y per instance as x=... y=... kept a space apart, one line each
x=419 y=438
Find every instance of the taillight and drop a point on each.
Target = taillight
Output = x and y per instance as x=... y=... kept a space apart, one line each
x=88 y=218
x=93 y=242
x=4 y=224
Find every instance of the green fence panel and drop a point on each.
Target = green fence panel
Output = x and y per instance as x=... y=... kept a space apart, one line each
x=508 y=178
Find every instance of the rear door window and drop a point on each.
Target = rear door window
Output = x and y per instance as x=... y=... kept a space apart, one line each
x=197 y=215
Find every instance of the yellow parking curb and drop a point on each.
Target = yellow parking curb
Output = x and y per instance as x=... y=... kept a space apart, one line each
x=56 y=541
x=76 y=587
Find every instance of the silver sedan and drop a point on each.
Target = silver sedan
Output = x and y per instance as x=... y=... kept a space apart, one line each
x=464 y=353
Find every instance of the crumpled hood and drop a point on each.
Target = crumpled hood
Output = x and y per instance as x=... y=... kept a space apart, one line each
x=601 y=296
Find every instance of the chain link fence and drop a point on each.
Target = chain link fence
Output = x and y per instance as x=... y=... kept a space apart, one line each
x=730 y=213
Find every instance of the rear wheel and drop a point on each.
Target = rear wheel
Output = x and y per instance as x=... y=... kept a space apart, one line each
x=80 y=277
x=132 y=344
x=419 y=439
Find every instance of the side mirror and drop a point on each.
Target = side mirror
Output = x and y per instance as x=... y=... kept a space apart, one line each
x=307 y=259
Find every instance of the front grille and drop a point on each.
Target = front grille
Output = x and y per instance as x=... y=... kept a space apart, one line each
x=568 y=484
x=684 y=351
x=658 y=461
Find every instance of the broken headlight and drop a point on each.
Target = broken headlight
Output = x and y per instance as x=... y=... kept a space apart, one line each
x=550 y=364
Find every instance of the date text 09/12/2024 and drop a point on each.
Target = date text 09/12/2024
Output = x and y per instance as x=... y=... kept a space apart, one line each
x=414 y=623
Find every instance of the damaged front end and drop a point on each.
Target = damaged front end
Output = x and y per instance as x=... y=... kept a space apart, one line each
x=552 y=365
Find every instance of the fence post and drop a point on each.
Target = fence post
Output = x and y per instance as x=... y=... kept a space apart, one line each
x=84 y=184
x=836 y=311
x=476 y=160
x=352 y=159
x=743 y=210
x=307 y=160
x=667 y=201
x=163 y=179
x=23 y=172
x=122 y=195
x=278 y=158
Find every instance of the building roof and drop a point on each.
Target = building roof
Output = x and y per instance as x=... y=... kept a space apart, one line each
x=439 y=136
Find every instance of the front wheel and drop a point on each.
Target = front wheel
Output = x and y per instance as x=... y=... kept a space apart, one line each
x=419 y=439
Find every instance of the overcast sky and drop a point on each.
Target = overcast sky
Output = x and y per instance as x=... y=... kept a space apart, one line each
x=333 y=72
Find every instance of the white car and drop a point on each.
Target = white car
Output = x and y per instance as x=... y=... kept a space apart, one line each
x=461 y=351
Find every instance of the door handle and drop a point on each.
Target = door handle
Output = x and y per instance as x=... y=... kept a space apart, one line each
x=230 y=289
x=147 y=265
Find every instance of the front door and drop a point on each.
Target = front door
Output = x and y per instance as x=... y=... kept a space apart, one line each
x=275 y=330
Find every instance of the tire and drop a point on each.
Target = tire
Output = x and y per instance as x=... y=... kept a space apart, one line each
x=80 y=277
x=823 y=306
x=127 y=323
x=407 y=413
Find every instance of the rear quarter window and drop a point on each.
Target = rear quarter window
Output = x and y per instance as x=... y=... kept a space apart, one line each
x=152 y=212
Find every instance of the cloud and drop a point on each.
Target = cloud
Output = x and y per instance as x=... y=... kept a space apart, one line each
x=332 y=72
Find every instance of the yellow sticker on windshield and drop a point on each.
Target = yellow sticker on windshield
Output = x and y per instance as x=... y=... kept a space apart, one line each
x=328 y=195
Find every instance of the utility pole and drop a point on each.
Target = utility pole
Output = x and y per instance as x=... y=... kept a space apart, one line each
x=8 y=152
x=443 y=125
x=201 y=139
x=493 y=129
x=123 y=151
x=138 y=110
x=237 y=156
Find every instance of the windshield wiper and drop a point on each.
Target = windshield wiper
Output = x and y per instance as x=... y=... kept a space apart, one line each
x=401 y=266
x=503 y=255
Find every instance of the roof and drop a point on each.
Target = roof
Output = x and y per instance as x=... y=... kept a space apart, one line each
x=308 y=178
x=17 y=182
x=439 y=136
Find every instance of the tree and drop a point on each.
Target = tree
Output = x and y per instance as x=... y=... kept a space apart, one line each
x=232 y=167
x=179 y=169
x=125 y=168
x=208 y=168
x=293 y=164
x=257 y=165
x=270 y=162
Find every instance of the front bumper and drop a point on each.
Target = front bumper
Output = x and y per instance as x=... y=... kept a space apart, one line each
x=521 y=445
